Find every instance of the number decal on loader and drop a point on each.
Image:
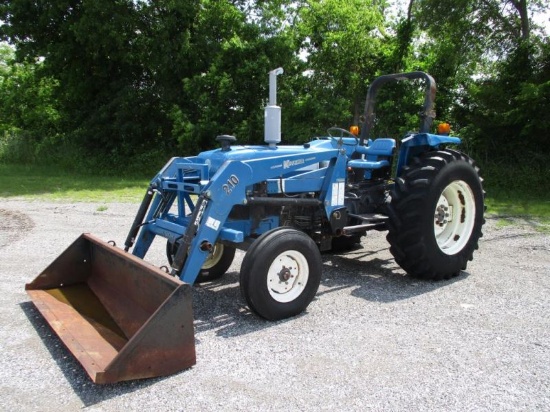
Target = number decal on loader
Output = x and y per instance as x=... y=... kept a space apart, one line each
x=231 y=184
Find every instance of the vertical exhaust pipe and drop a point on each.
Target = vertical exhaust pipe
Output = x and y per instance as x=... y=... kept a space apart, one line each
x=272 y=125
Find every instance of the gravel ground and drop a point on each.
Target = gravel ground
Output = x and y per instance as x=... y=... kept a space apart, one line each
x=373 y=339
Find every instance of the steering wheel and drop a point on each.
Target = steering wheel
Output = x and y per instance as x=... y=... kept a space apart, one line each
x=342 y=132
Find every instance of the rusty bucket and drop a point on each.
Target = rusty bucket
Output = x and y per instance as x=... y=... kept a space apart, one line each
x=121 y=317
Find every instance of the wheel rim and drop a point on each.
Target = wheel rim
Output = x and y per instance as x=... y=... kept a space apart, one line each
x=287 y=276
x=454 y=217
x=213 y=257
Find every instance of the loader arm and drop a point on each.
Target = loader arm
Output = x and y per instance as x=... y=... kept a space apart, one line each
x=231 y=185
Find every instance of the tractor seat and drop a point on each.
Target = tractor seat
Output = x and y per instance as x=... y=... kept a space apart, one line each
x=379 y=148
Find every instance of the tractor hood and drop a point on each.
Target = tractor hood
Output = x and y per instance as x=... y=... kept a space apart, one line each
x=216 y=158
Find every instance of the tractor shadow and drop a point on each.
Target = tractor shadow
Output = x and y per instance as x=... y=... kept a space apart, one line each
x=220 y=306
x=374 y=275
x=89 y=393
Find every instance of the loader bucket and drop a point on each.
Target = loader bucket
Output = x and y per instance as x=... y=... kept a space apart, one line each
x=121 y=317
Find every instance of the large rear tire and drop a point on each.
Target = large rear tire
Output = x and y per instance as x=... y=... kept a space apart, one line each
x=280 y=273
x=436 y=215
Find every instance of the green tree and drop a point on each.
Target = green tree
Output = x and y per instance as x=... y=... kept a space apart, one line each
x=236 y=47
x=140 y=75
x=343 y=44
x=485 y=55
x=100 y=53
x=28 y=110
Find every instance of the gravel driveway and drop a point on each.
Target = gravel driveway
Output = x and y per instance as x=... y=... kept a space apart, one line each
x=373 y=339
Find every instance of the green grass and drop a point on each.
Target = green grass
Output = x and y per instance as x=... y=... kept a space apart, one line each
x=519 y=206
x=47 y=183
x=531 y=210
x=518 y=189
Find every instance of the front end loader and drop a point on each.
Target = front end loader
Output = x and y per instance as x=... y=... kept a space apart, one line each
x=123 y=318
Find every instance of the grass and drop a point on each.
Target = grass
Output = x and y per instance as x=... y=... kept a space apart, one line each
x=531 y=211
x=47 y=183
x=518 y=189
x=519 y=206
x=512 y=205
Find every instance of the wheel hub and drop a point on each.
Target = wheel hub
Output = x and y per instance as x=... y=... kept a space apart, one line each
x=454 y=217
x=441 y=215
x=287 y=276
x=214 y=256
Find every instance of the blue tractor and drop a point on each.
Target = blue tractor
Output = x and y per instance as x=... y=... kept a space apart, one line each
x=284 y=205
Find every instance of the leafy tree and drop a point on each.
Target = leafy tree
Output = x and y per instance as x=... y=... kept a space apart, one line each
x=342 y=42
x=484 y=55
x=227 y=92
x=27 y=108
x=136 y=75
x=156 y=78
x=96 y=51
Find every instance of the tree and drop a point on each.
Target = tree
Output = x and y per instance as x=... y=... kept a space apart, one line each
x=164 y=77
x=27 y=108
x=343 y=45
x=226 y=94
x=102 y=55
x=483 y=54
x=137 y=76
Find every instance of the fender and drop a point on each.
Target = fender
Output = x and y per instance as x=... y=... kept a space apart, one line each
x=415 y=144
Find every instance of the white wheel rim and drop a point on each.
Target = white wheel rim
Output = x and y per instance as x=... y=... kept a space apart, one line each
x=287 y=276
x=213 y=257
x=454 y=217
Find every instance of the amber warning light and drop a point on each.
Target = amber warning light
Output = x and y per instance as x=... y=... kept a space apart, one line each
x=354 y=130
x=443 y=128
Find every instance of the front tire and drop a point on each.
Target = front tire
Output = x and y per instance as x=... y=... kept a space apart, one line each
x=280 y=273
x=436 y=215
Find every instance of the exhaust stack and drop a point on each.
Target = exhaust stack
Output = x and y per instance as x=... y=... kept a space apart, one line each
x=272 y=132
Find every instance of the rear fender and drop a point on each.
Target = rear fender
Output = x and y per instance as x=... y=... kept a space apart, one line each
x=413 y=145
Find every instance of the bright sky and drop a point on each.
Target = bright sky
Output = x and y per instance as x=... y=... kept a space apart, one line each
x=543 y=19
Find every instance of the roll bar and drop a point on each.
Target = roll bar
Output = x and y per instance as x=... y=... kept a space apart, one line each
x=426 y=116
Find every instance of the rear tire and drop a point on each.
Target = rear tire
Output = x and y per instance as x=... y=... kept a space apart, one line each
x=436 y=215
x=216 y=264
x=281 y=273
